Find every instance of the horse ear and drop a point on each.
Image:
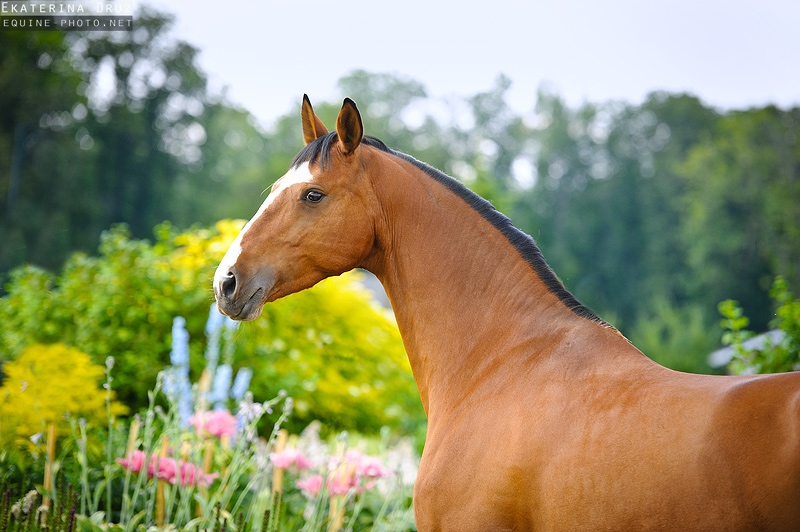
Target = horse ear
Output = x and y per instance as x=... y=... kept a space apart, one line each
x=349 y=127
x=313 y=127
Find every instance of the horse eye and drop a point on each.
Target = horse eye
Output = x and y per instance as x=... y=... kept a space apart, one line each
x=313 y=196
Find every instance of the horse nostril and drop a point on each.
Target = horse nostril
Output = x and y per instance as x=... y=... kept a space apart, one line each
x=229 y=285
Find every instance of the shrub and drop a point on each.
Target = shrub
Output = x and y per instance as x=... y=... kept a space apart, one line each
x=773 y=356
x=44 y=385
x=119 y=304
x=336 y=353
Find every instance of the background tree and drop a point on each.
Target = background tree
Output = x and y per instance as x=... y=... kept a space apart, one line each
x=742 y=225
x=95 y=129
x=144 y=123
x=238 y=163
x=39 y=109
x=648 y=212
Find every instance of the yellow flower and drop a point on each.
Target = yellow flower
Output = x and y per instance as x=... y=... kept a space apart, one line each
x=46 y=384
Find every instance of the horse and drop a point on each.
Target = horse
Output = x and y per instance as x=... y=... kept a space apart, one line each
x=541 y=416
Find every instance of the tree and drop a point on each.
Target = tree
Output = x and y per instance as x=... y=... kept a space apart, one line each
x=382 y=98
x=560 y=210
x=239 y=162
x=38 y=109
x=147 y=126
x=741 y=208
x=605 y=205
x=75 y=157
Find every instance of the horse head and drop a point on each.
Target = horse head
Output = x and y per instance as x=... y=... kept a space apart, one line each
x=316 y=221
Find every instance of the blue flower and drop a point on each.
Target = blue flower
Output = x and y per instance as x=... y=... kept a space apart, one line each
x=231 y=324
x=180 y=343
x=222 y=383
x=178 y=389
x=241 y=383
x=215 y=321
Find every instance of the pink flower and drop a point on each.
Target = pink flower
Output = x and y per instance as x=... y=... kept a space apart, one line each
x=167 y=469
x=372 y=467
x=190 y=475
x=353 y=456
x=290 y=457
x=134 y=461
x=217 y=423
x=342 y=479
x=311 y=485
x=163 y=468
x=355 y=471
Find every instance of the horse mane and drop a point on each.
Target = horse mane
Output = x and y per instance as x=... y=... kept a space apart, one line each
x=319 y=151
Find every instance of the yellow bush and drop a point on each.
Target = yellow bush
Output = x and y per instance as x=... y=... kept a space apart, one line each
x=46 y=384
x=198 y=251
x=338 y=355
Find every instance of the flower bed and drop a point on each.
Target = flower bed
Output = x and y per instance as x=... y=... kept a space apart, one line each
x=189 y=462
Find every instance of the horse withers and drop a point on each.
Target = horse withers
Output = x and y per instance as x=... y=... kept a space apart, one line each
x=540 y=415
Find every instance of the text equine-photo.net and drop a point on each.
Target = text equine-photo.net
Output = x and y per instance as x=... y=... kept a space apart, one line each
x=63 y=15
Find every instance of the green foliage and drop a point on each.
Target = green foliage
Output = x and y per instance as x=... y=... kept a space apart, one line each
x=605 y=203
x=734 y=323
x=742 y=212
x=679 y=338
x=774 y=356
x=38 y=93
x=331 y=348
x=381 y=97
x=119 y=304
x=30 y=514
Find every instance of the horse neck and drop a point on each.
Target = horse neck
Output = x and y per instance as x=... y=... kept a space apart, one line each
x=468 y=305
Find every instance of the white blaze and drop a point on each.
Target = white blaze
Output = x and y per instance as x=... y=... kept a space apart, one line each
x=301 y=174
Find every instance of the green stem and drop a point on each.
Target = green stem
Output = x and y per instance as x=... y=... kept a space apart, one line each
x=109 y=444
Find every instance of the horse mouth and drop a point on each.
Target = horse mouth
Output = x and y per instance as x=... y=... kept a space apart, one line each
x=253 y=306
x=248 y=311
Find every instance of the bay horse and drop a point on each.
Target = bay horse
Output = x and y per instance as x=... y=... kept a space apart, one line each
x=541 y=416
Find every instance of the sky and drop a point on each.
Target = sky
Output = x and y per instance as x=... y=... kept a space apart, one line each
x=266 y=54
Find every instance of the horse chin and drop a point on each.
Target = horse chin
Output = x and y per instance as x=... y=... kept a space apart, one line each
x=248 y=312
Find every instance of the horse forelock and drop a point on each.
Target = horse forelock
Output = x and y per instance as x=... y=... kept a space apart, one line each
x=319 y=151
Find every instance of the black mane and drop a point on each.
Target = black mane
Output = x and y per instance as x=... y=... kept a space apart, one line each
x=319 y=151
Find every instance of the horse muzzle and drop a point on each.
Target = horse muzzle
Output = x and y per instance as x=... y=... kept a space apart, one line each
x=238 y=297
